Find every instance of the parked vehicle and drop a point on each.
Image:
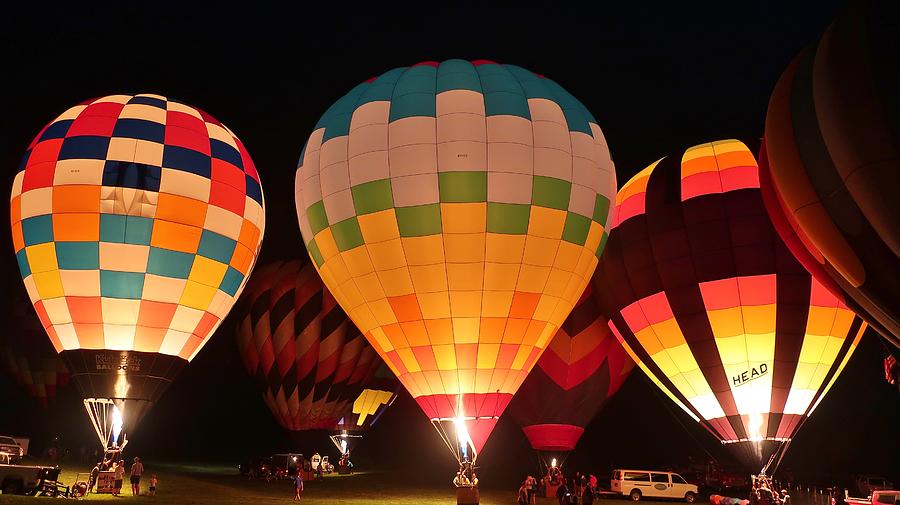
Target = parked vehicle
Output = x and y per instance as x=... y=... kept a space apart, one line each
x=637 y=484
x=257 y=468
x=867 y=483
x=25 y=479
x=878 y=497
x=9 y=446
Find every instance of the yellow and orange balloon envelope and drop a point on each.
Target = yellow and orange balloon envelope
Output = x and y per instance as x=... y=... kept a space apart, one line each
x=136 y=221
x=456 y=211
x=713 y=306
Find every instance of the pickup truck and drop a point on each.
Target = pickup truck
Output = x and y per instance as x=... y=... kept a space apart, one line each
x=878 y=497
x=24 y=479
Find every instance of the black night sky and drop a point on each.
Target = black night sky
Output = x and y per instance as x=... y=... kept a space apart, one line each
x=658 y=78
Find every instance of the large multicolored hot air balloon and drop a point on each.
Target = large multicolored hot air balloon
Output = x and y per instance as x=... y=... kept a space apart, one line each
x=136 y=221
x=713 y=306
x=583 y=366
x=28 y=358
x=456 y=211
x=833 y=161
x=306 y=355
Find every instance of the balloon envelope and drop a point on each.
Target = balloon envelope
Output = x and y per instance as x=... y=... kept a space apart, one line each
x=583 y=367
x=712 y=305
x=306 y=355
x=456 y=210
x=833 y=158
x=136 y=221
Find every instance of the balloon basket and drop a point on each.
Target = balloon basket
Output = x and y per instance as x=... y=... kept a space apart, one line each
x=467 y=496
x=550 y=490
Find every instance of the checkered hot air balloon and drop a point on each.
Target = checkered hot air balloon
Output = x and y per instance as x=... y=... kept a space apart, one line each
x=832 y=161
x=456 y=211
x=136 y=221
x=713 y=306
x=583 y=367
x=309 y=360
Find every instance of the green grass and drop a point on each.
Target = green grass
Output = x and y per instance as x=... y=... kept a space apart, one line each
x=196 y=484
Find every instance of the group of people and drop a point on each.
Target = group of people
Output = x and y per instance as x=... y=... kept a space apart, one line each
x=577 y=491
x=764 y=492
x=466 y=477
x=118 y=468
x=580 y=490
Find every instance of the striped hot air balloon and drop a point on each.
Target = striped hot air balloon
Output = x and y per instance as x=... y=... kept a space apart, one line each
x=713 y=306
x=456 y=211
x=135 y=221
x=583 y=367
x=306 y=355
x=832 y=160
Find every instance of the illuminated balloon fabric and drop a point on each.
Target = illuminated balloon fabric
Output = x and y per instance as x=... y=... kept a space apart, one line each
x=833 y=147
x=456 y=210
x=375 y=393
x=712 y=305
x=135 y=221
x=581 y=369
x=299 y=345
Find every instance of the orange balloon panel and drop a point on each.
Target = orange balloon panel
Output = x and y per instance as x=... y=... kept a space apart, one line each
x=456 y=210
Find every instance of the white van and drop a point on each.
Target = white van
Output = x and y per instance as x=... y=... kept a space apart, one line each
x=637 y=484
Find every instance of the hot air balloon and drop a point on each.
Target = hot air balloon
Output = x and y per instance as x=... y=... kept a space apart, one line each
x=373 y=394
x=456 y=211
x=136 y=221
x=27 y=357
x=306 y=355
x=582 y=368
x=713 y=306
x=833 y=158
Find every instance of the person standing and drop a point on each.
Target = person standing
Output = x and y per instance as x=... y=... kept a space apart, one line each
x=152 y=485
x=119 y=473
x=562 y=493
x=137 y=469
x=587 y=496
x=298 y=485
x=92 y=480
x=522 y=498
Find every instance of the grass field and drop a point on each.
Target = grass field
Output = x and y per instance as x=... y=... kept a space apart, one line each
x=220 y=485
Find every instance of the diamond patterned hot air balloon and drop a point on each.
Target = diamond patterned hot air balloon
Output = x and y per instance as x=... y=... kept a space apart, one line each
x=27 y=356
x=583 y=367
x=713 y=306
x=136 y=221
x=306 y=355
x=456 y=211
x=832 y=160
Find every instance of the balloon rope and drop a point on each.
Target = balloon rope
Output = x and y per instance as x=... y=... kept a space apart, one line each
x=666 y=407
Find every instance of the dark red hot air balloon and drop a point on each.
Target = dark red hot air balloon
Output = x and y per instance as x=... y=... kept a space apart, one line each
x=307 y=356
x=583 y=366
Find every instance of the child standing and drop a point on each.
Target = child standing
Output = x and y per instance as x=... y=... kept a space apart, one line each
x=119 y=470
x=153 y=485
x=298 y=485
